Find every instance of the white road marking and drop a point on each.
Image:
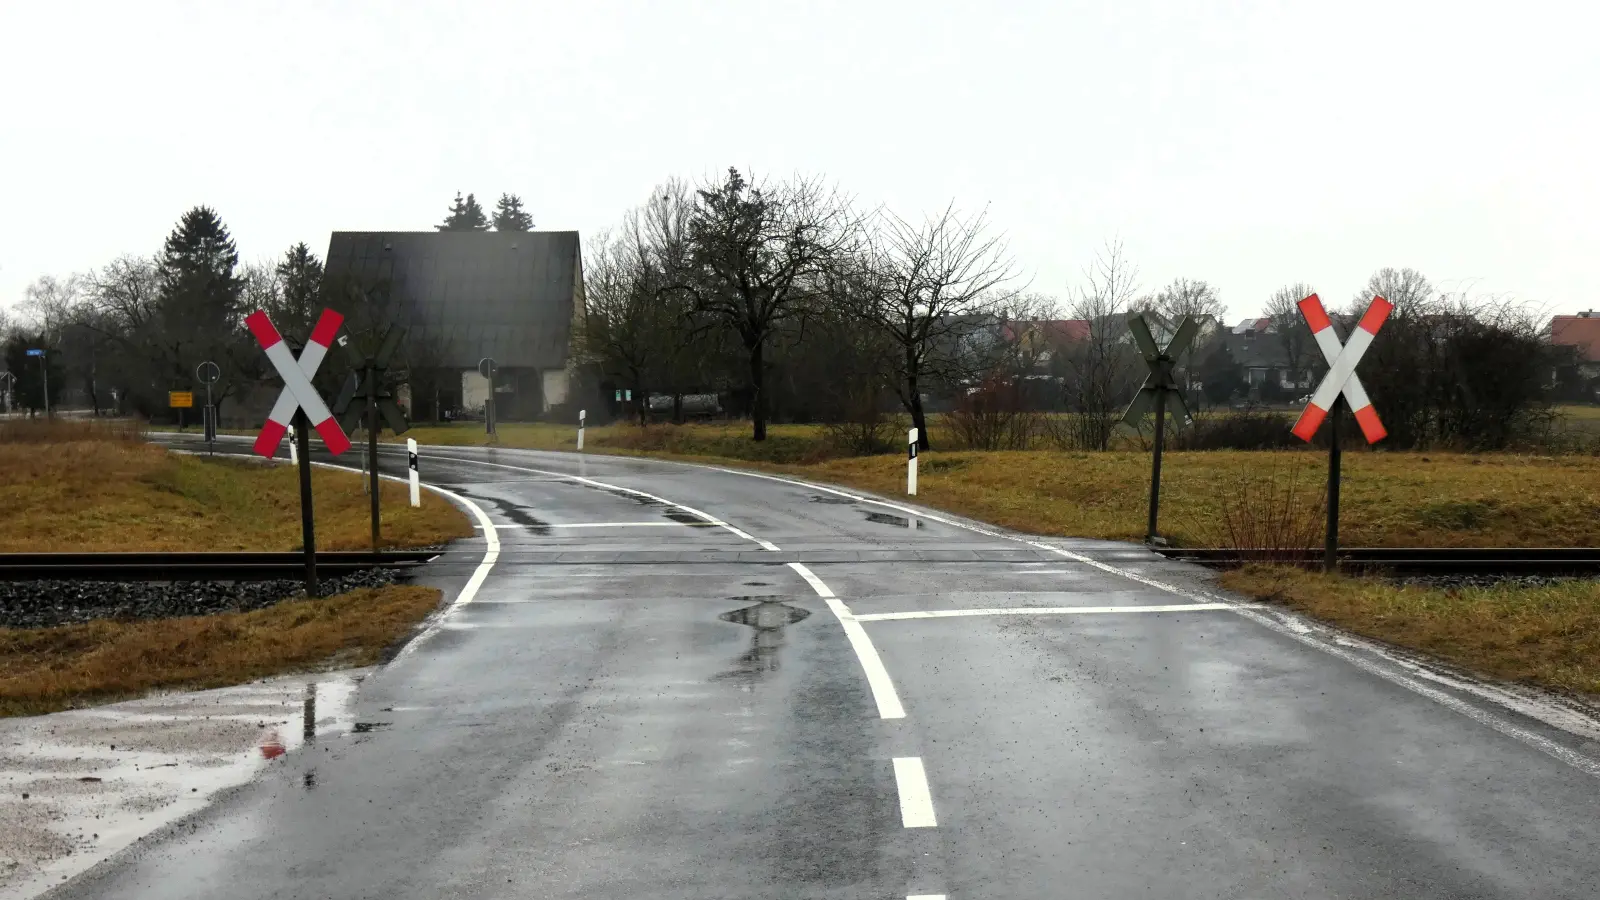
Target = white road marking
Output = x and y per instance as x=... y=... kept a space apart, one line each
x=1035 y=611
x=765 y=545
x=1542 y=712
x=916 y=802
x=877 y=676
x=618 y=525
x=491 y=553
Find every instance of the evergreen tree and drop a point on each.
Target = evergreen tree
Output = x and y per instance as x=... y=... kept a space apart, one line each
x=199 y=292
x=300 y=278
x=29 y=388
x=465 y=215
x=510 y=216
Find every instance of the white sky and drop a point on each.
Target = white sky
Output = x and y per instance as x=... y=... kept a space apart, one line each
x=1246 y=143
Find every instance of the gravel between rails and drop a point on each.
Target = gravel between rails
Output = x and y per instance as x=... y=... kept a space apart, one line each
x=42 y=604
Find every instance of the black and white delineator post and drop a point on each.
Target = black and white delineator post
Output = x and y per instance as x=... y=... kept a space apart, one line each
x=416 y=479
x=911 y=463
x=1160 y=388
x=582 y=414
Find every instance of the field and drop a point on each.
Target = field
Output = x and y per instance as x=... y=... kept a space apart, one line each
x=88 y=486
x=46 y=669
x=1548 y=635
x=85 y=487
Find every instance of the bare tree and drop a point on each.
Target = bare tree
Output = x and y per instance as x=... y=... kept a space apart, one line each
x=1407 y=289
x=1101 y=365
x=933 y=286
x=634 y=326
x=756 y=252
x=1283 y=309
x=1187 y=297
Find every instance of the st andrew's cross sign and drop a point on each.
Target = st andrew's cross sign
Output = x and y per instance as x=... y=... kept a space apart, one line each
x=1340 y=386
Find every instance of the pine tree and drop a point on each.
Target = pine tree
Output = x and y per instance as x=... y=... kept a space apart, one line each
x=300 y=274
x=465 y=215
x=199 y=292
x=510 y=216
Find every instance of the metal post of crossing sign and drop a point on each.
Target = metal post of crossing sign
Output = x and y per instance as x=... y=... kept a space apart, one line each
x=300 y=405
x=368 y=385
x=1340 y=386
x=1160 y=388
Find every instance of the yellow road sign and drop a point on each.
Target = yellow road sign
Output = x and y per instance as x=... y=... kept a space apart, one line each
x=180 y=399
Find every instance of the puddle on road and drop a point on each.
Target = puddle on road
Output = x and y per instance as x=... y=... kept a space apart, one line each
x=769 y=618
x=897 y=521
x=757 y=584
x=368 y=727
x=840 y=501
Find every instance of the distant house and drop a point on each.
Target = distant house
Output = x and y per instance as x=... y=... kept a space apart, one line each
x=1259 y=351
x=514 y=297
x=1582 y=333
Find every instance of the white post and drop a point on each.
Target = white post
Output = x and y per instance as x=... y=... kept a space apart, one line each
x=294 y=454
x=416 y=482
x=582 y=414
x=911 y=464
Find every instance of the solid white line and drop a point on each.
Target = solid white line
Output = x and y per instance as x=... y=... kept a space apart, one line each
x=1492 y=695
x=1034 y=611
x=491 y=553
x=618 y=525
x=765 y=545
x=916 y=802
x=878 y=680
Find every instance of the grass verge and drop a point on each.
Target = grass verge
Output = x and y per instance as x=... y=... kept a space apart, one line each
x=48 y=669
x=107 y=491
x=1547 y=636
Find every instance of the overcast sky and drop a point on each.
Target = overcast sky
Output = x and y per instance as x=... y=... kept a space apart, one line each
x=1246 y=143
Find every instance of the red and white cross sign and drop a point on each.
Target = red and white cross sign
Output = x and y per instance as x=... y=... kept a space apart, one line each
x=1341 y=377
x=298 y=393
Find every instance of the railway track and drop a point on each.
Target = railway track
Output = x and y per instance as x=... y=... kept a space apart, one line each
x=202 y=566
x=1416 y=560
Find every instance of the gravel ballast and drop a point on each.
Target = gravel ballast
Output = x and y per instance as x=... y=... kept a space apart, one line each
x=42 y=604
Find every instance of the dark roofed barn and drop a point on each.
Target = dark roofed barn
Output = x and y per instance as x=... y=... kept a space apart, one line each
x=511 y=296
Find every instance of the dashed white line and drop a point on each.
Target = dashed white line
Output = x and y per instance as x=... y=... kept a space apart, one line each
x=916 y=802
x=883 y=692
x=1036 y=611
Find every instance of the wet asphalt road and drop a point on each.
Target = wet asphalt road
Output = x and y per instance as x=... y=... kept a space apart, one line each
x=652 y=706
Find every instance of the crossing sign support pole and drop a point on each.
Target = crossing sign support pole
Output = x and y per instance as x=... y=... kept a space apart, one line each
x=1155 y=466
x=308 y=524
x=372 y=454
x=1330 y=544
x=1159 y=386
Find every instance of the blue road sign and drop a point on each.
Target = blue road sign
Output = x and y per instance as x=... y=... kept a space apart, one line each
x=35 y=352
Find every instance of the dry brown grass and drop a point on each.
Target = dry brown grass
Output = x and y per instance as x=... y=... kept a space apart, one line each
x=115 y=493
x=47 y=669
x=1549 y=636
